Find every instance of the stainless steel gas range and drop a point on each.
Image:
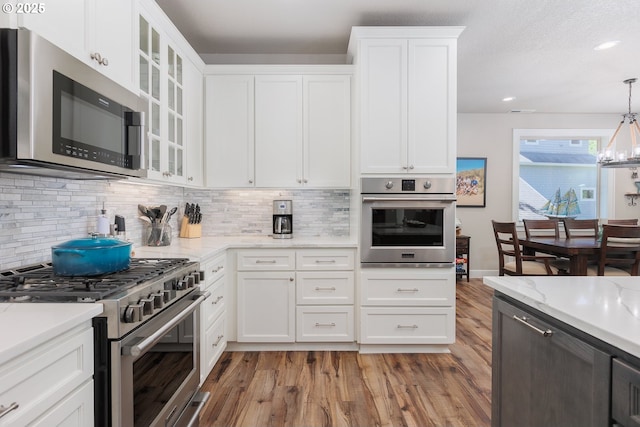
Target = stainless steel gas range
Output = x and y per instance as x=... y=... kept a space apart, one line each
x=146 y=342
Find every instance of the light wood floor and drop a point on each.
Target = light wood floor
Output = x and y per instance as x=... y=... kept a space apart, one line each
x=306 y=389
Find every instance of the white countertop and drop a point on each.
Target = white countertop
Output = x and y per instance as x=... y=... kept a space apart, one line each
x=607 y=308
x=204 y=247
x=26 y=326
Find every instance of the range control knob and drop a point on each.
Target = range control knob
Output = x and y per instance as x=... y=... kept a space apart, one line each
x=166 y=295
x=158 y=300
x=133 y=313
x=147 y=306
x=181 y=284
x=427 y=185
x=389 y=185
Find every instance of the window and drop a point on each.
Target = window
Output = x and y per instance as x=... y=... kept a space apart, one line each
x=557 y=173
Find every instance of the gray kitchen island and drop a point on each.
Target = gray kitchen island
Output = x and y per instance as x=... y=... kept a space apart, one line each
x=566 y=351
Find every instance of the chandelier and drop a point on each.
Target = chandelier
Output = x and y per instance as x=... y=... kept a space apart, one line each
x=611 y=158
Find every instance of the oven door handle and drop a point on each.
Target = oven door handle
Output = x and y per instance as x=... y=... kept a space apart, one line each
x=144 y=345
x=439 y=198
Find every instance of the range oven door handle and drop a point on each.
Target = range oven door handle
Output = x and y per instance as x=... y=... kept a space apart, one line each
x=438 y=198
x=144 y=345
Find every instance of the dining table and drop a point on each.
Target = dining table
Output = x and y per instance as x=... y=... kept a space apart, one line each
x=579 y=250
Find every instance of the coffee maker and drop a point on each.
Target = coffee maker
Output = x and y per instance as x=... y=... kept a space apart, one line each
x=282 y=219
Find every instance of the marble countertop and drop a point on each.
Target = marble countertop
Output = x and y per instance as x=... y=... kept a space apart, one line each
x=204 y=247
x=607 y=308
x=26 y=326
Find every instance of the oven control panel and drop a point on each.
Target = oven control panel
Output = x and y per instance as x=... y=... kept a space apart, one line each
x=427 y=185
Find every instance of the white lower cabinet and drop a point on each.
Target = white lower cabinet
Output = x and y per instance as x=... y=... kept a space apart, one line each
x=324 y=323
x=52 y=384
x=310 y=298
x=407 y=306
x=213 y=337
x=266 y=306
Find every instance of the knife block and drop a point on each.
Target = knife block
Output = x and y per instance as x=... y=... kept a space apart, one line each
x=190 y=231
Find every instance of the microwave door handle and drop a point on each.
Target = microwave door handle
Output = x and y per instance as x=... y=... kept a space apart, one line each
x=144 y=345
x=134 y=122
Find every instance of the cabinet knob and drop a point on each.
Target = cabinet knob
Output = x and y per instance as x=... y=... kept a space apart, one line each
x=291 y=279
x=190 y=178
x=250 y=181
x=305 y=181
x=99 y=59
x=410 y=167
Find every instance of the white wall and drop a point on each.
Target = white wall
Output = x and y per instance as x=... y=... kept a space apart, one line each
x=491 y=136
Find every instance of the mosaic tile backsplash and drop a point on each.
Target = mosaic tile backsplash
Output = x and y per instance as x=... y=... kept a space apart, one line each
x=38 y=212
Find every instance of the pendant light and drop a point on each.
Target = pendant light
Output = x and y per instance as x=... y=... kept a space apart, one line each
x=611 y=158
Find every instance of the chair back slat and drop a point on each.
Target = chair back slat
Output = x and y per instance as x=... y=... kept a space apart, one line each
x=508 y=244
x=580 y=227
x=541 y=228
x=630 y=221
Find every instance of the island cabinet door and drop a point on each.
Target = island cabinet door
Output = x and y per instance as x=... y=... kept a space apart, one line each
x=543 y=376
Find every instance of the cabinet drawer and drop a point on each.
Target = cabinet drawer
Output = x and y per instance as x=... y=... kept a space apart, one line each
x=324 y=287
x=625 y=394
x=41 y=377
x=380 y=325
x=215 y=343
x=266 y=260
x=408 y=288
x=324 y=324
x=213 y=269
x=215 y=304
x=75 y=410
x=325 y=259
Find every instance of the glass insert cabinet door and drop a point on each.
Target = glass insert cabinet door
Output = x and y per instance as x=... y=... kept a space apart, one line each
x=161 y=86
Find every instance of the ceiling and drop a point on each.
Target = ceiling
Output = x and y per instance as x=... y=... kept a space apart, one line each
x=539 y=51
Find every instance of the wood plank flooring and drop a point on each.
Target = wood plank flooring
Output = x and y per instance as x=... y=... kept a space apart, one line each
x=315 y=388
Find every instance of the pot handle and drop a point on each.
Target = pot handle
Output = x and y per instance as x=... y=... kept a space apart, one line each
x=78 y=252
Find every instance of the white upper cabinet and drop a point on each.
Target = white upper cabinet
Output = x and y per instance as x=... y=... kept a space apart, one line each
x=278 y=130
x=193 y=87
x=407 y=93
x=162 y=87
x=229 y=122
x=97 y=32
x=327 y=131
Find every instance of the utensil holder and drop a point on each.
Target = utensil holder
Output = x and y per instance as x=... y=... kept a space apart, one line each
x=190 y=231
x=157 y=235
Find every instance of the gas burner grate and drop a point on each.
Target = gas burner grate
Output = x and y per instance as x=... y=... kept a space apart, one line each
x=39 y=283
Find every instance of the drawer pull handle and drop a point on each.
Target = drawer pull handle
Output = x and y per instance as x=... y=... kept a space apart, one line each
x=407 y=326
x=524 y=321
x=215 y=344
x=408 y=290
x=215 y=270
x=328 y=325
x=318 y=288
x=217 y=299
x=4 y=411
x=325 y=261
x=267 y=261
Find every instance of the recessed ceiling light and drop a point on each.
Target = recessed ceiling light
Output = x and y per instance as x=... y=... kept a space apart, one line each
x=607 y=45
x=509 y=98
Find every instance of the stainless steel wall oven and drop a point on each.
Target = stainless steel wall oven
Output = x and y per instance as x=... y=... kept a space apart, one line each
x=408 y=222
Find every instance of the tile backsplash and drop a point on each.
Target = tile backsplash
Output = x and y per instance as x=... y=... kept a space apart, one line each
x=38 y=212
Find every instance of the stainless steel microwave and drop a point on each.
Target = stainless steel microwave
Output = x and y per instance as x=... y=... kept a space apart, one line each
x=60 y=117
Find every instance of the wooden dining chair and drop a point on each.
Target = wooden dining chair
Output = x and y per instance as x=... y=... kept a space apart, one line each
x=541 y=228
x=522 y=265
x=619 y=252
x=580 y=227
x=546 y=228
x=630 y=221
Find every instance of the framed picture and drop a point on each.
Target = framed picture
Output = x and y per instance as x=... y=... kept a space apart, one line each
x=471 y=180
